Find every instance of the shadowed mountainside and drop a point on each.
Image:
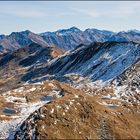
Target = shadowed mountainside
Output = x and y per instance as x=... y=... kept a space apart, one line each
x=98 y=61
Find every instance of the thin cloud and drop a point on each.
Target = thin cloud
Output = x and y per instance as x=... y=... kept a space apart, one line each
x=91 y=13
x=123 y=9
x=25 y=14
x=21 y=11
x=117 y=10
x=61 y=14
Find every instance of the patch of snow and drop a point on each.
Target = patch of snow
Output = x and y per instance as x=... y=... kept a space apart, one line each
x=10 y=127
x=43 y=127
x=76 y=96
x=55 y=122
x=78 y=103
x=108 y=96
x=13 y=98
x=32 y=89
x=107 y=56
x=108 y=104
x=71 y=103
x=119 y=91
x=42 y=115
x=58 y=106
x=52 y=85
x=52 y=111
x=67 y=107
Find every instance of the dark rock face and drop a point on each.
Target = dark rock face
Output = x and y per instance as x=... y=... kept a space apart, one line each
x=27 y=56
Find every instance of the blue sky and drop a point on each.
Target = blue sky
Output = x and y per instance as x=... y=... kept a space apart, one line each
x=50 y=16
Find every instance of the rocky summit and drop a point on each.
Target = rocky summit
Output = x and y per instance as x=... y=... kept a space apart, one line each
x=70 y=84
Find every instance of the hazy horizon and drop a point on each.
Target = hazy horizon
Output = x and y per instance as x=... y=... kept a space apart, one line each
x=46 y=16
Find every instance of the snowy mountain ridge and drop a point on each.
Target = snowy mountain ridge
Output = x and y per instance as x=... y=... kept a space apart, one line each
x=99 y=61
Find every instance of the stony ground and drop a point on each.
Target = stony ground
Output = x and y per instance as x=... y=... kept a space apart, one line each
x=53 y=110
x=75 y=115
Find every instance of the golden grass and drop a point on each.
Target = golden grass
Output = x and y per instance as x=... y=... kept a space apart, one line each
x=2 y=82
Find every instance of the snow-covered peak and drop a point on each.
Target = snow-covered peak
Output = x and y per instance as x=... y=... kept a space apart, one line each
x=70 y=30
x=61 y=32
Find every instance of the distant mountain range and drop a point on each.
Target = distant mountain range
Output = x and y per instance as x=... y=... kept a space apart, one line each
x=66 y=39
